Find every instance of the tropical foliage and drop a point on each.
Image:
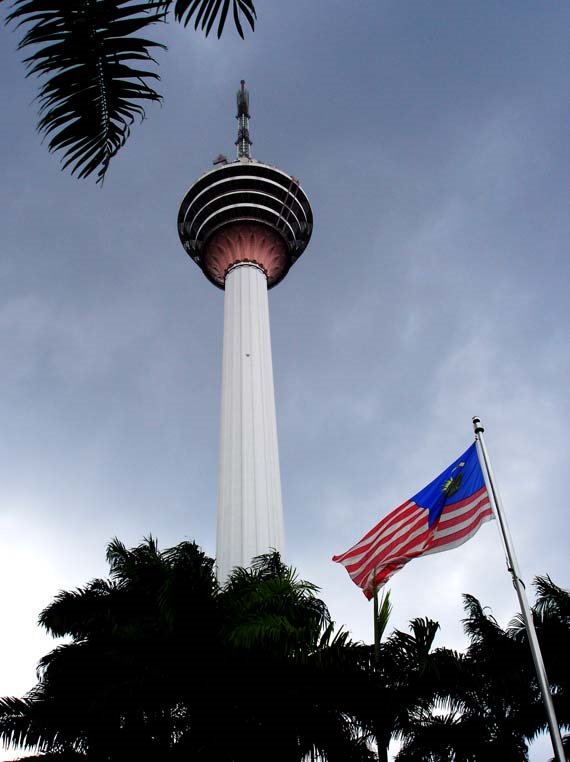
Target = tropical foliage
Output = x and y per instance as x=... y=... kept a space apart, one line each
x=409 y=678
x=160 y=662
x=496 y=707
x=97 y=72
x=552 y=622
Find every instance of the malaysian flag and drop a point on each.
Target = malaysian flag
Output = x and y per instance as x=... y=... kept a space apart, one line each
x=441 y=516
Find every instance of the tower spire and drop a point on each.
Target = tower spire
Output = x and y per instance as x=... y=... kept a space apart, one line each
x=243 y=141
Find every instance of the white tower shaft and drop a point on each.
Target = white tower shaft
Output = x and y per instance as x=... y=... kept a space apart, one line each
x=250 y=512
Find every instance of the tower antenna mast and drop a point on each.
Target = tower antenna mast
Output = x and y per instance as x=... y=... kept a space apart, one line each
x=243 y=141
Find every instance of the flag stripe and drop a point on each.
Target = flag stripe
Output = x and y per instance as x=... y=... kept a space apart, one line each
x=387 y=543
x=410 y=543
x=455 y=543
x=393 y=519
x=450 y=517
x=456 y=525
x=459 y=535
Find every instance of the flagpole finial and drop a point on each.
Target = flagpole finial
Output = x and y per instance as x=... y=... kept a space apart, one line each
x=477 y=424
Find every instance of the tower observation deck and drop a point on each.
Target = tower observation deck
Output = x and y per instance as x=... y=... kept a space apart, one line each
x=245 y=224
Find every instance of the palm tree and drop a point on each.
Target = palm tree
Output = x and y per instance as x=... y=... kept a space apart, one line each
x=302 y=674
x=411 y=678
x=551 y=614
x=98 y=74
x=163 y=664
x=113 y=691
x=492 y=710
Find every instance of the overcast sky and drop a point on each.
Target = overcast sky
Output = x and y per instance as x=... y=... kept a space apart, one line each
x=433 y=140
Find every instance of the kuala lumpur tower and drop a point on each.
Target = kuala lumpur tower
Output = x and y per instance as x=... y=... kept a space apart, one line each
x=245 y=223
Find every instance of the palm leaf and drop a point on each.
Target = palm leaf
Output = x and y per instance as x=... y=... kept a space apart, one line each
x=81 y=611
x=205 y=12
x=96 y=82
x=384 y=612
x=551 y=599
x=28 y=723
x=56 y=756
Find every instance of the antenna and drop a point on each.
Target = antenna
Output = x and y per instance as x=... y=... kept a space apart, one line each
x=243 y=141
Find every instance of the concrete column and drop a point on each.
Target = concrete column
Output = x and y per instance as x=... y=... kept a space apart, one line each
x=250 y=512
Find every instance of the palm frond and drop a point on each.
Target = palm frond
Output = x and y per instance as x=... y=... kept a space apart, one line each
x=190 y=582
x=552 y=599
x=24 y=723
x=478 y=623
x=424 y=631
x=126 y=565
x=54 y=756
x=413 y=648
x=384 y=612
x=205 y=12
x=442 y=737
x=117 y=556
x=80 y=611
x=269 y=606
x=95 y=82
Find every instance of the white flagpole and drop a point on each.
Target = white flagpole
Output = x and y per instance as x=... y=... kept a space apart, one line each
x=513 y=568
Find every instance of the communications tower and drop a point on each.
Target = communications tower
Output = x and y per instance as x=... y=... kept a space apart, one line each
x=245 y=223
